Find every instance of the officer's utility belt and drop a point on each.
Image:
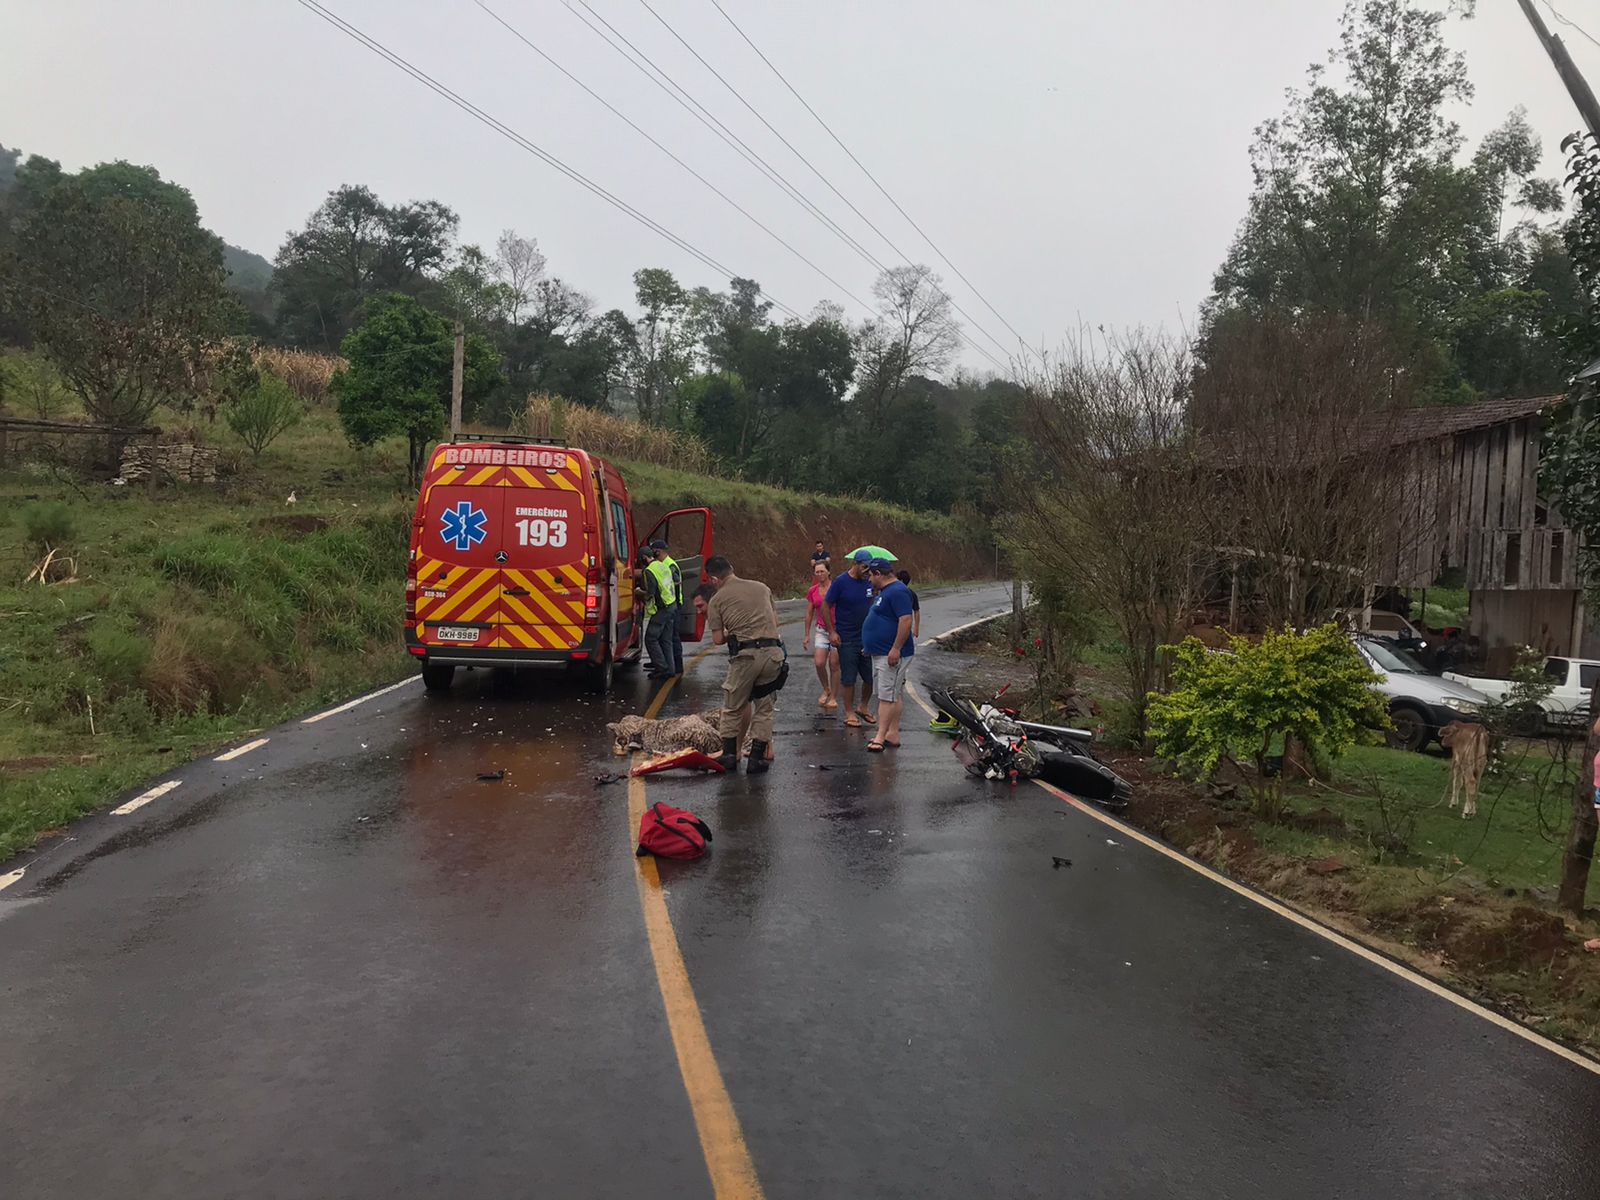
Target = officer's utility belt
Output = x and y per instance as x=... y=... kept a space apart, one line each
x=735 y=646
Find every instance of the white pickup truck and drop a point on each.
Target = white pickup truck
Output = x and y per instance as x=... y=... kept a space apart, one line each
x=1567 y=705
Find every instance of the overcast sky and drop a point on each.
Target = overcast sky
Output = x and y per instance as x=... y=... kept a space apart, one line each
x=1078 y=161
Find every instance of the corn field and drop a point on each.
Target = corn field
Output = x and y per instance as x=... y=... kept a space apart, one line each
x=612 y=436
x=307 y=374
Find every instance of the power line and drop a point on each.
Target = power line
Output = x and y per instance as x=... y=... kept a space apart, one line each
x=511 y=29
x=1554 y=12
x=904 y=257
x=643 y=63
x=882 y=190
x=523 y=143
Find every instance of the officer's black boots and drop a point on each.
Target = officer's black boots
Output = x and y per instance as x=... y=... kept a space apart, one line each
x=730 y=754
x=757 y=764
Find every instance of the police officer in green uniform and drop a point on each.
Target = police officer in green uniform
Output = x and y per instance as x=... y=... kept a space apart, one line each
x=663 y=634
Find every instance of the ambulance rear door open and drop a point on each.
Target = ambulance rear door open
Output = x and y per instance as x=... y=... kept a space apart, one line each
x=687 y=533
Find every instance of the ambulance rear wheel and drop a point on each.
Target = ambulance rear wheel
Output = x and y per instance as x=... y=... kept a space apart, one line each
x=437 y=677
x=602 y=674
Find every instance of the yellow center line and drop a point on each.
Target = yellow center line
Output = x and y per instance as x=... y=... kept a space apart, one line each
x=733 y=1173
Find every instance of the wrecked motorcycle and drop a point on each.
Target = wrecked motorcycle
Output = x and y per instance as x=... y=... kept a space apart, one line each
x=992 y=743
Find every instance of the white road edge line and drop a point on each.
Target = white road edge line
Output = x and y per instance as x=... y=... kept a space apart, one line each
x=239 y=751
x=970 y=625
x=139 y=801
x=11 y=877
x=349 y=704
x=1316 y=927
x=1332 y=935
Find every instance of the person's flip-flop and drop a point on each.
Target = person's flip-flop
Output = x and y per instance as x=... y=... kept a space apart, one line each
x=875 y=747
x=891 y=745
x=867 y=717
x=850 y=722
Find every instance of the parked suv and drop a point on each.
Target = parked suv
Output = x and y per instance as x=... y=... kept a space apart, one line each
x=1419 y=704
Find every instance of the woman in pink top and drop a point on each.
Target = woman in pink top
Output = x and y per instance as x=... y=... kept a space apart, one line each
x=823 y=652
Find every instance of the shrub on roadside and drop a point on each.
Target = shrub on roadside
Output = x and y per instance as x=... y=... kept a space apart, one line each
x=1312 y=687
x=262 y=412
x=49 y=525
x=30 y=383
x=201 y=664
x=120 y=653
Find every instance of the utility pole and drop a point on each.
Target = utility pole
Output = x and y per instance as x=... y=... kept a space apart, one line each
x=1577 y=86
x=455 y=381
x=1578 y=856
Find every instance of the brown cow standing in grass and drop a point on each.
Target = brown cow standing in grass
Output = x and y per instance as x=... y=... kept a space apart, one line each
x=1469 y=755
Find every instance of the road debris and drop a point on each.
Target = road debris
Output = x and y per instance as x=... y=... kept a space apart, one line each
x=1112 y=842
x=491 y=776
x=1057 y=862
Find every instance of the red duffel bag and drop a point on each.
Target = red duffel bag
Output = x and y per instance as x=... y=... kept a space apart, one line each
x=669 y=832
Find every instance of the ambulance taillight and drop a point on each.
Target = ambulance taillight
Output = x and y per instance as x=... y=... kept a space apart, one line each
x=591 y=601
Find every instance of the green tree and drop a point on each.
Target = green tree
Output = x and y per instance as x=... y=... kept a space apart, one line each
x=1313 y=687
x=1570 y=473
x=355 y=247
x=260 y=413
x=1360 y=207
x=30 y=383
x=776 y=408
x=663 y=343
x=112 y=273
x=398 y=378
x=474 y=294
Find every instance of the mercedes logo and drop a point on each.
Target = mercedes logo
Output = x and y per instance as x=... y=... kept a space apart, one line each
x=501 y=556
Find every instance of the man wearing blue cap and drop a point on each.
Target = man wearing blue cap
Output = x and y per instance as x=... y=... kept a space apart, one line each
x=886 y=636
x=844 y=609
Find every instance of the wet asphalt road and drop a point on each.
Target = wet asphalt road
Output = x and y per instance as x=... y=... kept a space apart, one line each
x=340 y=966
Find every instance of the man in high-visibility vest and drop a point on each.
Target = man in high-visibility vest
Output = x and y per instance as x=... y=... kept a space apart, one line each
x=663 y=590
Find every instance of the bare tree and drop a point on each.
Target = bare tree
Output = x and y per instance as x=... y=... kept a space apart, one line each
x=558 y=310
x=1111 y=497
x=1320 y=489
x=520 y=266
x=914 y=333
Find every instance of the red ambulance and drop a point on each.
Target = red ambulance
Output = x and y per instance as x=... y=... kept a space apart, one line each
x=523 y=554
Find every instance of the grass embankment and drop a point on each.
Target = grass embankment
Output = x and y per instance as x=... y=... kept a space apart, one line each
x=179 y=622
x=768 y=533
x=190 y=617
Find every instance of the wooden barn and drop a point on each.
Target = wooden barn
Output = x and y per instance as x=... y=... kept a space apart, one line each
x=1474 y=518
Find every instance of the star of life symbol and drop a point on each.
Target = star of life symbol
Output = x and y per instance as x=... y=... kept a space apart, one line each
x=464 y=525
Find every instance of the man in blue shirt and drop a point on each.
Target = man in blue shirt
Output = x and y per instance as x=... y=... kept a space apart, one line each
x=886 y=637
x=844 y=608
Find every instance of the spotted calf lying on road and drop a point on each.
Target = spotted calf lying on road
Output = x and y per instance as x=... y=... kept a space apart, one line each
x=665 y=735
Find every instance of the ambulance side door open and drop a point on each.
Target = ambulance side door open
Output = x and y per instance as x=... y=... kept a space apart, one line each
x=685 y=530
x=621 y=554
